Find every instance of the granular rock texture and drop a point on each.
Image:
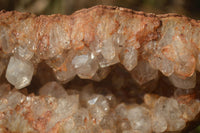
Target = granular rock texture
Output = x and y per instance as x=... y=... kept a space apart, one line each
x=59 y=111
x=144 y=68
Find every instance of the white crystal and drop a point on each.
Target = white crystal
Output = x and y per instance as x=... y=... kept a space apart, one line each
x=140 y=119
x=159 y=124
x=81 y=117
x=53 y=89
x=107 y=122
x=163 y=64
x=100 y=101
x=23 y=52
x=144 y=73
x=85 y=65
x=182 y=82
x=7 y=44
x=19 y=72
x=191 y=110
x=66 y=107
x=129 y=58
x=169 y=109
x=105 y=63
x=85 y=94
x=65 y=76
x=121 y=111
x=101 y=74
x=63 y=69
x=97 y=113
x=108 y=49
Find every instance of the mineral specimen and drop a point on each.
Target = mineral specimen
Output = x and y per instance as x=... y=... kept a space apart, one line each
x=136 y=72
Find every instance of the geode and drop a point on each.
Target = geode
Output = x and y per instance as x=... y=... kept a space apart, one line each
x=103 y=69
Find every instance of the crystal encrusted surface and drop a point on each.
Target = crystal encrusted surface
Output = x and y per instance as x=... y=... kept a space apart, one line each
x=63 y=111
x=96 y=38
x=104 y=69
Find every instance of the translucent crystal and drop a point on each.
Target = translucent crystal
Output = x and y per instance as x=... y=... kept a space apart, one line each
x=124 y=125
x=101 y=74
x=106 y=63
x=53 y=89
x=16 y=123
x=19 y=72
x=163 y=64
x=190 y=110
x=108 y=49
x=169 y=109
x=121 y=111
x=97 y=113
x=140 y=119
x=65 y=76
x=159 y=124
x=63 y=69
x=7 y=44
x=107 y=122
x=23 y=52
x=85 y=65
x=129 y=58
x=144 y=73
x=182 y=82
x=100 y=101
x=150 y=99
x=65 y=108
x=85 y=94
x=81 y=117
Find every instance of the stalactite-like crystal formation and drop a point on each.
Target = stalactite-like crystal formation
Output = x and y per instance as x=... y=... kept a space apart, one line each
x=130 y=57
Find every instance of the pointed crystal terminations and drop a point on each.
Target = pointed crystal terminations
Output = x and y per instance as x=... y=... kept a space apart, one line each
x=184 y=83
x=85 y=64
x=19 y=72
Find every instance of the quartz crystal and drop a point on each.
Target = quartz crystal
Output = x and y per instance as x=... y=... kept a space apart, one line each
x=100 y=70
x=56 y=111
x=19 y=72
x=140 y=119
x=23 y=52
x=85 y=65
x=144 y=73
x=129 y=58
x=53 y=89
x=169 y=109
x=181 y=82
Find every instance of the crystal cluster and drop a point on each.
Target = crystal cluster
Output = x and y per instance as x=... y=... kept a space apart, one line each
x=91 y=40
x=103 y=69
x=85 y=110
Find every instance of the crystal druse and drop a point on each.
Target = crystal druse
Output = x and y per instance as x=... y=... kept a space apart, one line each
x=103 y=69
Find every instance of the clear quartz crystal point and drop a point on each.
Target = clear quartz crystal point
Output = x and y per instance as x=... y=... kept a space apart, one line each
x=129 y=58
x=182 y=82
x=85 y=65
x=19 y=72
